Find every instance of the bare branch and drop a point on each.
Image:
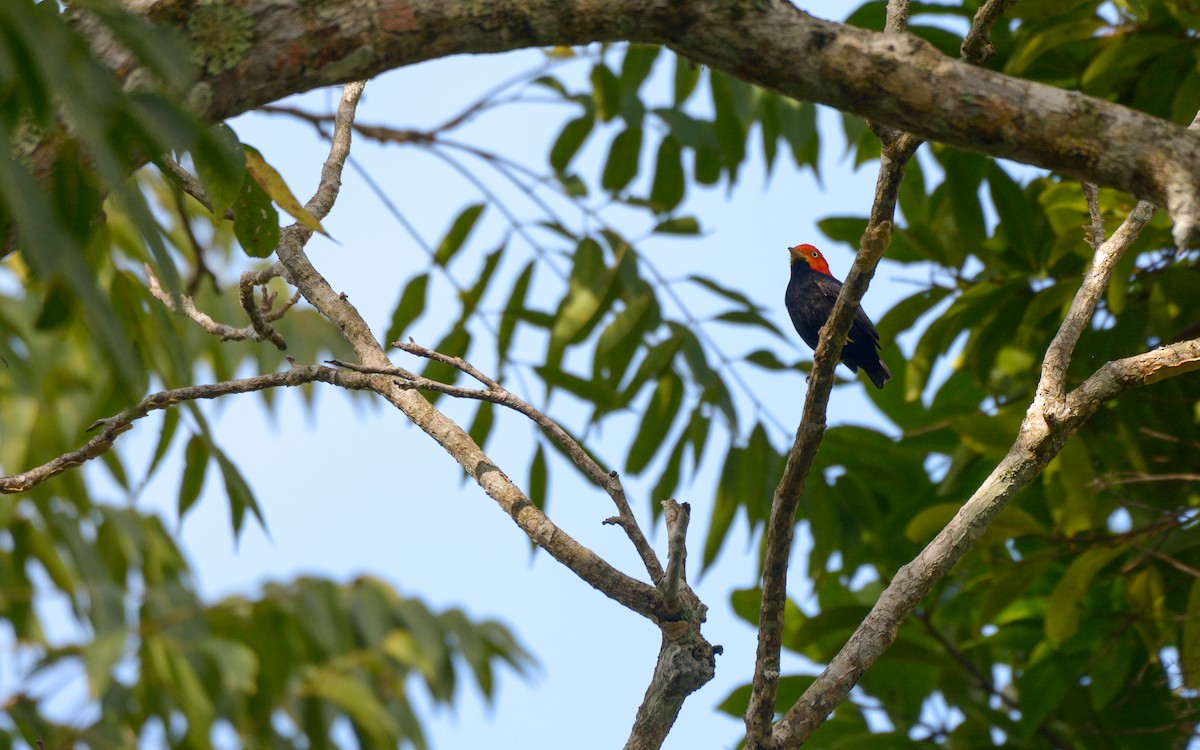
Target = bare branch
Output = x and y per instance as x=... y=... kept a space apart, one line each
x=258 y=313
x=1051 y=387
x=677 y=516
x=1091 y=195
x=187 y=308
x=976 y=48
x=685 y=659
x=114 y=426
x=299 y=271
x=189 y=184
x=610 y=482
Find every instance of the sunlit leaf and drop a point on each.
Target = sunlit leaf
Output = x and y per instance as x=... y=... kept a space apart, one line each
x=272 y=183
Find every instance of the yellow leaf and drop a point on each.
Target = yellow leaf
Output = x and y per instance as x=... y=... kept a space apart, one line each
x=271 y=182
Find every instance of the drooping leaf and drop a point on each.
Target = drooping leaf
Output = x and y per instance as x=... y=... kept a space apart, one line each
x=457 y=235
x=272 y=183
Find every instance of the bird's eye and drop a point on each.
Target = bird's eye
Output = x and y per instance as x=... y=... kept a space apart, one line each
x=815 y=253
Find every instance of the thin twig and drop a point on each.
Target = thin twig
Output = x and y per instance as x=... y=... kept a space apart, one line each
x=190 y=184
x=257 y=313
x=112 y=427
x=1091 y=196
x=187 y=308
x=976 y=48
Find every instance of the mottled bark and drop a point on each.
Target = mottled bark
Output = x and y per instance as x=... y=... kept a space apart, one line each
x=895 y=79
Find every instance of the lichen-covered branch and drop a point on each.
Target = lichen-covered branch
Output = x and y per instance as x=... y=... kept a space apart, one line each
x=896 y=80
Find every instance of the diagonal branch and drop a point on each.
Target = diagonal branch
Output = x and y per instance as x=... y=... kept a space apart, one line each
x=337 y=308
x=501 y=396
x=118 y=424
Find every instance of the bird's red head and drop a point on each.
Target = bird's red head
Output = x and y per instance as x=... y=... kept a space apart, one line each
x=811 y=256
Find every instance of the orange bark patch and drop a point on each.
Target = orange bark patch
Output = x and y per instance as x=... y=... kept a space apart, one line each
x=397 y=16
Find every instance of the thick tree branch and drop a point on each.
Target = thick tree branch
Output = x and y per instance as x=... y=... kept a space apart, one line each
x=117 y=424
x=900 y=82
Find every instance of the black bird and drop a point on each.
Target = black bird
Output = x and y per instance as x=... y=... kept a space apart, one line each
x=809 y=299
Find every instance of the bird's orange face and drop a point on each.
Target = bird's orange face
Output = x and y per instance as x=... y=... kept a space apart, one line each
x=811 y=256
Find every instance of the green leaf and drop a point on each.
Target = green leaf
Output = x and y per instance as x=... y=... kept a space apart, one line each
x=592 y=391
x=255 y=221
x=730 y=131
x=272 y=182
x=723 y=291
x=221 y=166
x=409 y=308
x=569 y=141
x=789 y=690
x=586 y=298
x=481 y=425
x=684 y=225
x=759 y=466
x=687 y=75
x=165 y=438
x=847 y=229
x=1064 y=605
x=99 y=658
x=457 y=234
x=750 y=318
x=725 y=506
x=512 y=310
x=538 y=478
x=668 y=481
x=669 y=184
x=358 y=701
x=241 y=498
x=657 y=419
x=472 y=296
x=636 y=67
x=195 y=466
x=799 y=127
x=606 y=92
x=623 y=156
x=768 y=361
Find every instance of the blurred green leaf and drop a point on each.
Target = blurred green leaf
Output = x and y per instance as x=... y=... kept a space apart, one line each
x=459 y=230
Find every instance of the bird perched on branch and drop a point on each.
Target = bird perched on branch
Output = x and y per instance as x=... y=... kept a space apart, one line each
x=809 y=299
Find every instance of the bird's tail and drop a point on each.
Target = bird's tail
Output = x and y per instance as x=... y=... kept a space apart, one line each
x=878 y=372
